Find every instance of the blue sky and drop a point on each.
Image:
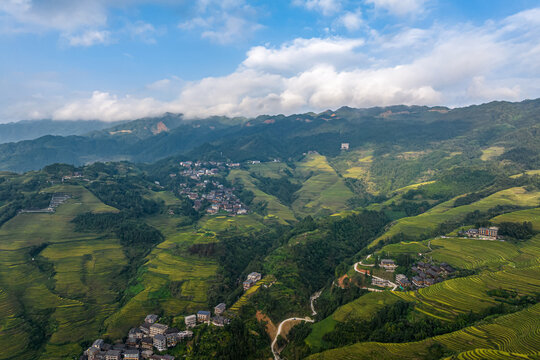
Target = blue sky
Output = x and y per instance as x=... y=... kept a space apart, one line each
x=126 y=59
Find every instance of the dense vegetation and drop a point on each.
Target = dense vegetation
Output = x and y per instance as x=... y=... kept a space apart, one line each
x=129 y=242
x=269 y=137
x=395 y=324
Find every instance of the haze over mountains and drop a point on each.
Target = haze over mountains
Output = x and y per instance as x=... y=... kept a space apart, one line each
x=267 y=137
x=32 y=129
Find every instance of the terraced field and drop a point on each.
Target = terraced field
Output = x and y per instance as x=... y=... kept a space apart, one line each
x=442 y=301
x=531 y=215
x=428 y=221
x=362 y=308
x=73 y=286
x=528 y=172
x=244 y=298
x=323 y=189
x=274 y=170
x=67 y=288
x=412 y=248
x=491 y=152
x=473 y=253
x=479 y=354
x=513 y=333
x=169 y=263
x=275 y=208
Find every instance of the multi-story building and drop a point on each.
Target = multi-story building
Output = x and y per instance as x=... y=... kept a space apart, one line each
x=113 y=355
x=160 y=342
x=247 y=284
x=172 y=337
x=98 y=344
x=190 y=320
x=157 y=328
x=147 y=343
x=388 y=265
x=203 y=316
x=220 y=308
x=491 y=231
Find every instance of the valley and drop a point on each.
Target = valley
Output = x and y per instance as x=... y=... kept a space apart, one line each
x=179 y=233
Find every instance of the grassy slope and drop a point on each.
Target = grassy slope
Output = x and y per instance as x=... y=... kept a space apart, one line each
x=275 y=208
x=356 y=165
x=531 y=215
x=78 y=297
x=428 y=221
x=516 y=332
x=514 y=261
x=323 y=189
x=83 y=293
x=169 y=262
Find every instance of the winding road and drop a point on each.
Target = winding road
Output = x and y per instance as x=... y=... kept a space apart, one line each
x=312 y=299
x=394 y=286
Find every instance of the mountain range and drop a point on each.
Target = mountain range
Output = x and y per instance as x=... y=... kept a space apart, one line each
x=512 y=125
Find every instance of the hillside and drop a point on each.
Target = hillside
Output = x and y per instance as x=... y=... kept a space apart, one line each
x=87 y=251
x=412 y=141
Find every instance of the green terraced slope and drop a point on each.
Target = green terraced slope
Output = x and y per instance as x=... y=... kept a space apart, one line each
x=513 y=333
x=427 y=222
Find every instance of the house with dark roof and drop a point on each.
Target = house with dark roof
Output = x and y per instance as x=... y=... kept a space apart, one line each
x=113 y=355
x=203 y=316
x=151 y=318
x=160 y=342
x=220 y=308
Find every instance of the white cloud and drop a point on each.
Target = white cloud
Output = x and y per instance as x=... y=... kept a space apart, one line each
x=63 y=15
x=107 y=107
x=399 y=7
x=143 y=31
x=232 y=29
x=302 y=54
x=325 y=7
x=480 y=90
x=89 y=38
x=449 y=66
x=351 y=20
x=81 y=22
x=223 y=22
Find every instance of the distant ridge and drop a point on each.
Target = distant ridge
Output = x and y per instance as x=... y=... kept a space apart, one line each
x=33 y=129
x=510 y=126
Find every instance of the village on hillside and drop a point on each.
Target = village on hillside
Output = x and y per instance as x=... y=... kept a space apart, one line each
x=151 y=339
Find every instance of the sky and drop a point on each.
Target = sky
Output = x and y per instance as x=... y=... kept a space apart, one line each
x=127 y=59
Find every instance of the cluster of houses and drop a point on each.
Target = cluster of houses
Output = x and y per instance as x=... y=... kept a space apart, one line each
x=140 y=343
x=424 y=274
x=151 y=335
x=489 y=233
x=207 y=190
x=196 y=170
x=251 y=280
x=221 y=199
x=428 y=274
x=75 y=175
x=205 y=317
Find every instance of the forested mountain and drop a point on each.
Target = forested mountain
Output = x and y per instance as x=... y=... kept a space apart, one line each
x=513 y=126
x=87 y=251
x=33 y=129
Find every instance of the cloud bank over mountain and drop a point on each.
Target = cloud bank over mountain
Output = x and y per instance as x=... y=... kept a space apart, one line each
x=425 y=65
